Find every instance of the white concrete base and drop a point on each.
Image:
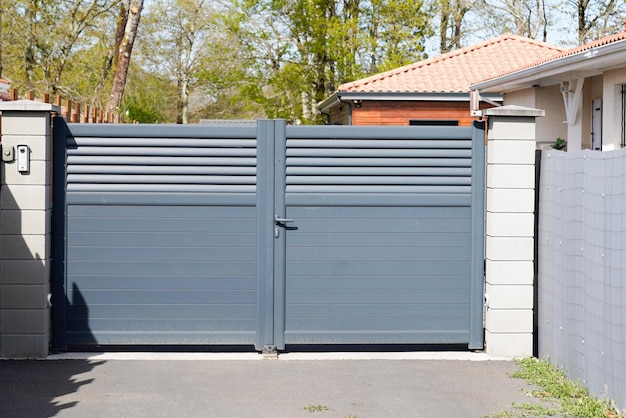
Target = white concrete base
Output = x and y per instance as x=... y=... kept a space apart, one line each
x=443 y=355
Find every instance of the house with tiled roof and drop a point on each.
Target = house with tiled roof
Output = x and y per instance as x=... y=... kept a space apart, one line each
x=434 y=91
x=582 y=91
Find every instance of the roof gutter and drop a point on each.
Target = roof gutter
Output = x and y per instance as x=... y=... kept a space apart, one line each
x=352 y=96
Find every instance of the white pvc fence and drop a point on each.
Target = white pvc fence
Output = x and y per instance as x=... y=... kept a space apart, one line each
x=582 y=267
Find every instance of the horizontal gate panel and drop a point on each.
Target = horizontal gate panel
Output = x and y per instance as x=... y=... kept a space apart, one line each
x=379 y=268
x=180 y=282
x=346 y=282
x=105 y=225
x=378 y=152
x=381 y=310
x=373 y=324
x=183 y=253
x=409 y=143
x=148 y=161
x=166 y=268
x=169 y=311
x=379 y=171
x=161 y=239
x=172 y=336
x=377 y=336
x=374 y=254
x=385 y=295
x=381 y=239
x=156 y=326
x=113 y=298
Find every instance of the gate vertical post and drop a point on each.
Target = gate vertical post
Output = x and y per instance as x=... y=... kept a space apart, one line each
x=510 y=229
x=477 y=290
x=266 y=149
x=280 y=238
x=25 y=232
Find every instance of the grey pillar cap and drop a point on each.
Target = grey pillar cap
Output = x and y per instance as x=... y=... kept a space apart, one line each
x=28 y=106
x=513 y=110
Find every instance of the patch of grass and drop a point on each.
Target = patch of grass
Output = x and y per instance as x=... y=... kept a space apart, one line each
x=565 y=396
x=503 y=414
x=316 y=408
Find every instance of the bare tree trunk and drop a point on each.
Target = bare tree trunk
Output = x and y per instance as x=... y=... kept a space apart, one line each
x=582 y=21
x=184 y=96
x=120 y=26
x=29 y=50
x=123 y=55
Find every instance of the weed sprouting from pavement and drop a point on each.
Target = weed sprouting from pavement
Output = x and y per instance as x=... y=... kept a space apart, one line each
x=316 y=408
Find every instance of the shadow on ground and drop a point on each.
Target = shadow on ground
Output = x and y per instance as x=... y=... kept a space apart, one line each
x=31 y=388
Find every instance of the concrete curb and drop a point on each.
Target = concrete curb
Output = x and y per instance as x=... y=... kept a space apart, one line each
x=444 y=355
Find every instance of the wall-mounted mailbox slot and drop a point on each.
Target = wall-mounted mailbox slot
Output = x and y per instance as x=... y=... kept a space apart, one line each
x=23 y=159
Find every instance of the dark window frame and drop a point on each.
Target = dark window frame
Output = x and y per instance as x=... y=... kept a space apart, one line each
x=433 y=122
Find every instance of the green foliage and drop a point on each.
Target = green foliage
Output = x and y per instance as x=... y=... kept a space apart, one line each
x=301 y=50
x=46 y=39
x=565 y=397
x=148 y=97
x=243 y=58
x=316 y=408
x=560 y=144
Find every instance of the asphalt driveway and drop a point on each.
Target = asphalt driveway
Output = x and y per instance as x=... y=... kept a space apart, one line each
x=249 y=386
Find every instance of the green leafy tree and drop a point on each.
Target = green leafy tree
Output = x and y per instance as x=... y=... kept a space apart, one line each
x=50 y=35
x=178 y=39
x=303 y=49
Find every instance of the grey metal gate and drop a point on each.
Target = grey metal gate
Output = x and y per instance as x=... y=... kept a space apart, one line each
x=268 y=235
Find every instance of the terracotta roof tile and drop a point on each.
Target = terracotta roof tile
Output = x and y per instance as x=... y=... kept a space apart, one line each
x=457 y=70
x=620 y=36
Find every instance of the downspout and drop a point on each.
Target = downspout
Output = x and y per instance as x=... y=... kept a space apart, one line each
x=327 y=115
x=349 y=109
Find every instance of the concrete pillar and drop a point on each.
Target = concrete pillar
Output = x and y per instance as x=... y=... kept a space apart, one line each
x=510 y=227
x=25 y=230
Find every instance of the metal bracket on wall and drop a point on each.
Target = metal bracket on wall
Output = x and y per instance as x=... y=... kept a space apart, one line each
x=8 y=153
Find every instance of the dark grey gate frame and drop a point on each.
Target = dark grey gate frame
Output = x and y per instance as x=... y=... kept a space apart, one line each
x=270 y=194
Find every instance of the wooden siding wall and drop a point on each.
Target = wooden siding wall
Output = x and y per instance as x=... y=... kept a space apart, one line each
x=401 y=112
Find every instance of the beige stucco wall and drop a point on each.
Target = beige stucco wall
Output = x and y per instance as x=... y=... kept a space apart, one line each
x=552 y=126
x=612 y=110
x=550 y=99
x=525 y=98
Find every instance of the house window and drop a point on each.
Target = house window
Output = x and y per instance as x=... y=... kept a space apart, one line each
x=434 y=122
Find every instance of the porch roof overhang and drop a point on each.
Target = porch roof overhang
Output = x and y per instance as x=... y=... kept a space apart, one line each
x=355 y=96
x=587 y=63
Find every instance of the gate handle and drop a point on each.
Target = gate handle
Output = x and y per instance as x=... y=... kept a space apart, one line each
x=281 y=220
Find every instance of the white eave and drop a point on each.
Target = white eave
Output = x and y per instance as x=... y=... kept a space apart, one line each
x=587 y=63
x=354 y=96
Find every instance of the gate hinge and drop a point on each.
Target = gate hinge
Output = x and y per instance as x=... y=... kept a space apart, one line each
x=270 y=352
